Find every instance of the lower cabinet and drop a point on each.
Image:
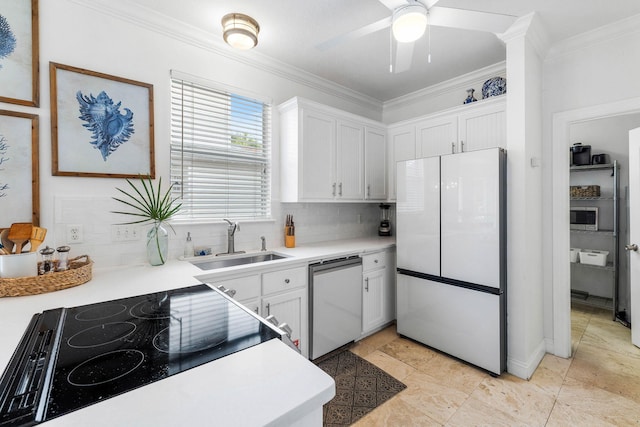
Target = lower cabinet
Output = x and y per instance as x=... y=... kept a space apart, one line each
x=378 y=290
x=291 y=308
x=373 y=299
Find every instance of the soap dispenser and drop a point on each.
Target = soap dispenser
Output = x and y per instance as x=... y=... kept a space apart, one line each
x=188 y=247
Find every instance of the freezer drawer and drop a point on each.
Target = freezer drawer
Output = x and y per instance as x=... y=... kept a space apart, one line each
x=464 y=323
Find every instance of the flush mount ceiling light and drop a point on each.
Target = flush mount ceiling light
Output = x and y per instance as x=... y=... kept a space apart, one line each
x=240 y=31
x=409 y=22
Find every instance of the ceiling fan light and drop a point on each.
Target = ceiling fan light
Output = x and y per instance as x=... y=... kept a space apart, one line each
x=240 y=31
x=409 y=22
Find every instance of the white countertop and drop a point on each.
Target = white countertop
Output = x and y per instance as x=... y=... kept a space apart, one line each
x=269 y=384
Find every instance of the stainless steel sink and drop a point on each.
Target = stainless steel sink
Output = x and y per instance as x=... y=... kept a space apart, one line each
x=230 y=260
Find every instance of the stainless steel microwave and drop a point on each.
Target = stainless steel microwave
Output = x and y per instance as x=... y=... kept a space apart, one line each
x=584 y=218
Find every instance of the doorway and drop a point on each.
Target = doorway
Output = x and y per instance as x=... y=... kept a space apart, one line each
x=566 y=127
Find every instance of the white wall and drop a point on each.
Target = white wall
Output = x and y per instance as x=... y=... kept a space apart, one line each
x=597 y=68
x=74 y=32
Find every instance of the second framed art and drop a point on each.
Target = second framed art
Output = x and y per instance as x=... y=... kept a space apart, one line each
x=101 y=125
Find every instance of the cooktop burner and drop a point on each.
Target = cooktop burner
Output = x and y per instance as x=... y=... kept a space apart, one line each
x=73 y=357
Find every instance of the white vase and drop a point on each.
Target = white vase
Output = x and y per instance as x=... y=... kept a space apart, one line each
x=157 y=244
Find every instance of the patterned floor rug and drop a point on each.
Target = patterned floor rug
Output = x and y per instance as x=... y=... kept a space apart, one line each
x=360 y=388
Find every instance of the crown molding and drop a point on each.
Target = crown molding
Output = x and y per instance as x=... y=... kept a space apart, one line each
x=456 y=83
x=151 y=20
x=616 y=30
x=531 y=27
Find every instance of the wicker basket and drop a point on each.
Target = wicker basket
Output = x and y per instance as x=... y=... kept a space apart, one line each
x=584 y=191
x=79 y=272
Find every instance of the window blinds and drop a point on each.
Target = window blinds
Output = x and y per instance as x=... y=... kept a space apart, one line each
x=220 y=153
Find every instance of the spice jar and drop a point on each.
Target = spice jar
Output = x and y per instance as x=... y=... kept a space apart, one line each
x=47 y=264
x=63 y=258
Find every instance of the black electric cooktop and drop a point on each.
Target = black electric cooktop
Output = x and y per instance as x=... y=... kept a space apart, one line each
x=70 y=358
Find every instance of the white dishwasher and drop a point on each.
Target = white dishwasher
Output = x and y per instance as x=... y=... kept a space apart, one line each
x=335 y=304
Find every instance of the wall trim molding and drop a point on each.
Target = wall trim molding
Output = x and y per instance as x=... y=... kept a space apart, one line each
x=525 y=368
x=572 y=45
x=456 y=83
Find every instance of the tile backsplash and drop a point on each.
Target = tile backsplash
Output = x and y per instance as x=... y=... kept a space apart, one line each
x=315 y=222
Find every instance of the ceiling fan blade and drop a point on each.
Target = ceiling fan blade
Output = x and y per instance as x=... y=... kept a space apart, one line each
x=470 y=20
x=393 y=4
x=404 y=57
x=352 y=35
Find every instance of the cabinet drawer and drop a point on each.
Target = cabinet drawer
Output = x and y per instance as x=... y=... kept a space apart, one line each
x=373 y=261
x=247 y=287
x=283 y=280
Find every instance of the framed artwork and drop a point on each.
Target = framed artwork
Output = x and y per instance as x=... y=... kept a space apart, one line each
x=19 y=52
x=101 y=125
x=19 y=177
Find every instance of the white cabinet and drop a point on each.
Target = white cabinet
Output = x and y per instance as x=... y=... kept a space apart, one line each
x=437 y=136
x=483 y=127
x=330 y=155
x=291 y=308
x=284 y=295
x=317 y=156
x=349 y=179
x=375 y=164
x=473 y=128
x=378 y=290
x=401 y=146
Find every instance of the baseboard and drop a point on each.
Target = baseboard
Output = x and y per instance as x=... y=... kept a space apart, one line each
x=525 y=369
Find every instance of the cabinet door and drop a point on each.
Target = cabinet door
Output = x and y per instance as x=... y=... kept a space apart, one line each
x=435 y=137
x=318 y=146
x=375 y=164
x=350 y=161
x=373 y=300
x=483 y=127
x=291 y=308
x=402 y=146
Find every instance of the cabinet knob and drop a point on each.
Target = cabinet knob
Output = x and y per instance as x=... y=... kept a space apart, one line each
x=286 y=280
x=631 y=247
x=333 y=192
x=366 y=284
x=340 y=189
x=375 y=261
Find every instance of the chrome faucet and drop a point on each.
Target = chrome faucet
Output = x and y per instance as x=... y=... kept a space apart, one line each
x=264 y=243
x=231 y=231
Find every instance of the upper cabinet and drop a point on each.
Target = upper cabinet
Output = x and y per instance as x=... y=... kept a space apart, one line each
x=330 y=155
x=466 y=128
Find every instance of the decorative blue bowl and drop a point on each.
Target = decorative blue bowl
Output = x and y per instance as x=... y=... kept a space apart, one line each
x=494 y=86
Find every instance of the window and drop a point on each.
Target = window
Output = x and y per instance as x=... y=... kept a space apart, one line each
x=220 y=153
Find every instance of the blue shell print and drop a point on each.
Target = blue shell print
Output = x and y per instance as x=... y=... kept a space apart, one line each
x=109 y=127
x=7 y=39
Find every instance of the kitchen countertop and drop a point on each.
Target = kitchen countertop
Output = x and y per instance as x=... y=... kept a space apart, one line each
x=277 y=384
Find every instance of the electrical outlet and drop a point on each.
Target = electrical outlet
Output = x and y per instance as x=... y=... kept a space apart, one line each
x=74 y=233
x=125 y=233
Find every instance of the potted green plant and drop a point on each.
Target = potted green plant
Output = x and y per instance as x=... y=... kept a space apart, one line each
x=151 y=205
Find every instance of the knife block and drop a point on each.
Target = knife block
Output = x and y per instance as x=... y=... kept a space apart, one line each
x=289 y=240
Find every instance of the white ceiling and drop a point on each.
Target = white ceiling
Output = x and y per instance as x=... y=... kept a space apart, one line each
x=290 y=30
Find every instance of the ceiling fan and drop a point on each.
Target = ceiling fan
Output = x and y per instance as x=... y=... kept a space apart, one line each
x=409 y=19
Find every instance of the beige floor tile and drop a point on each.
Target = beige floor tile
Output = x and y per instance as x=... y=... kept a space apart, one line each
x=476 y=413
x=522 y=400
x=558 y=365
x=410 y=352
x=609 y=335
x=579 y=401
x=395 y=413
x=381 y=338
x=394 y=367
x=362 y=349
x=454 y=373
x=611 y=371
x=432 y=397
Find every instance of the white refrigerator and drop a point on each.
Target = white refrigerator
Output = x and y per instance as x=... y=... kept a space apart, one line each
x=451 y=255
